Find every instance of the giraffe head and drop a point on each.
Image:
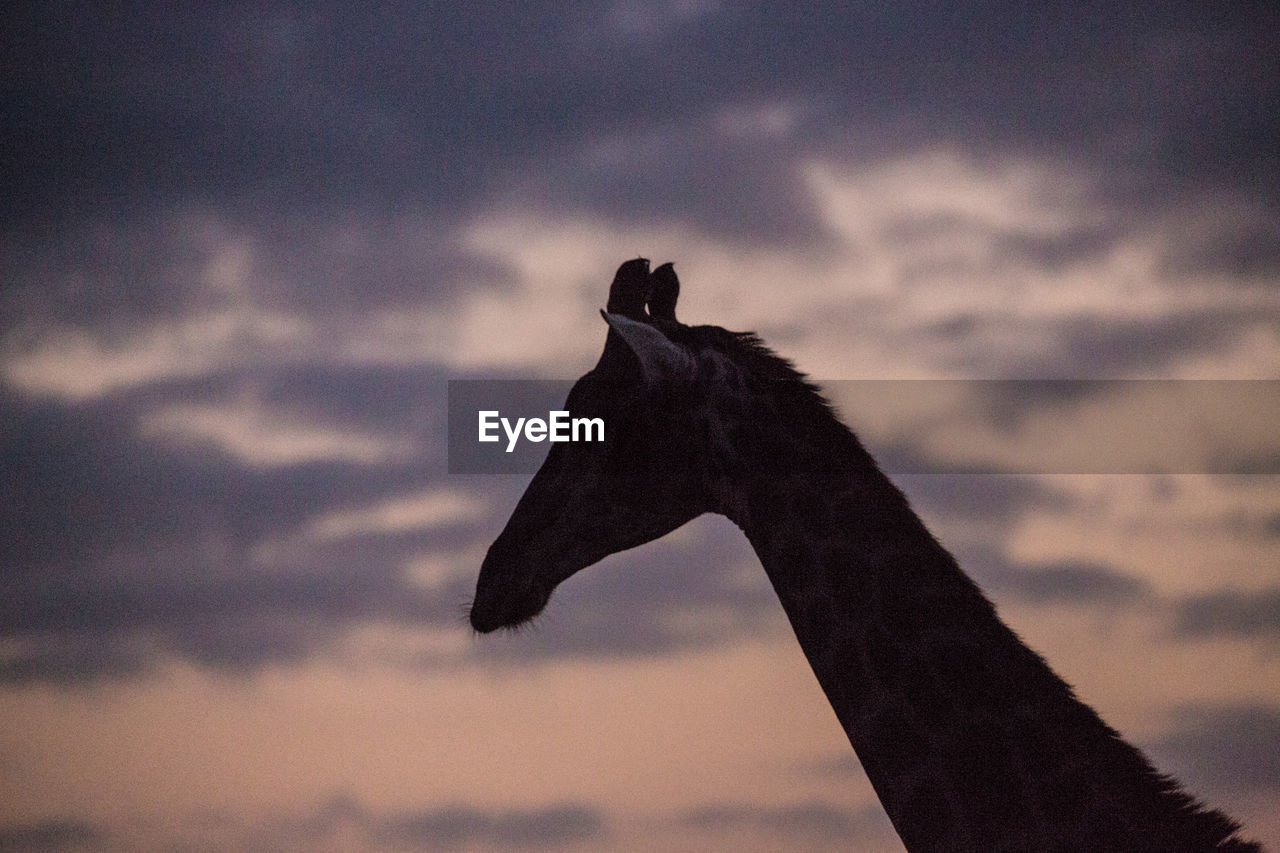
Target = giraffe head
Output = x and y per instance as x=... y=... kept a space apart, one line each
x=593 y=499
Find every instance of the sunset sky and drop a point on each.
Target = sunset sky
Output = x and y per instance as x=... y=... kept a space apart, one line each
x=245 y=247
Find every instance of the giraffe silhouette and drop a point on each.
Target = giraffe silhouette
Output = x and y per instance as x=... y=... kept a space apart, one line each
x=970 y=740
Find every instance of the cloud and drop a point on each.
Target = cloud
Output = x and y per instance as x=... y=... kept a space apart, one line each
x=68 y=459
x=812 y=822
x=1056 y=582
x=935 y=255
x=465 y=828
x=309 y=109
x=1246 y=615
x=249 y=431
x=419 y=512
x=1239 y=242
x=920 y=258
x=68 y=626
x=67 y=658
x=448 y=827
x=55 y=834
x=108 y=306
x=1069 y=581
x=1120 y=345
x=1064 y=426
x=1230 y=747
x=982 y=504
x=77 y=364
x=342 y=822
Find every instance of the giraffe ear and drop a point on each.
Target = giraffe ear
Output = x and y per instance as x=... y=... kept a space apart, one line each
x=660 y=359
x=664 y=290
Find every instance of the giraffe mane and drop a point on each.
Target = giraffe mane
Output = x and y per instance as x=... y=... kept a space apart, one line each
x=785 y=382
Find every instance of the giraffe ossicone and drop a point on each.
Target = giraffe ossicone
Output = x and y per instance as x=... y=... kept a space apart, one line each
x=970 y=740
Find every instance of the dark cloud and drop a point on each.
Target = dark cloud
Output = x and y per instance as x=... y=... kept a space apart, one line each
x=1011 y=248
x=1231 y=748
x=83 y=482
x=1247 y=251
x=124 y=549
x=1068 y=581
x=73 y=658
x=343 y=820
x=1058 y=252
x=407 y=107
x=77 y=626
x=402 y=107
x=47 y=836
x=971 y=505
x=1230 y=613
x=1116 y=345
x=113 y=274
x=466 y=828
x=996 y=498
x=1091 y=344
x=451 y=827
x=1059 y=582
x=1067 y=426
x=1103 y=87
x=815 y=821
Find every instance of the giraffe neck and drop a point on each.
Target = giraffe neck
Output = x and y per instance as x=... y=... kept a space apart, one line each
x=970 y=741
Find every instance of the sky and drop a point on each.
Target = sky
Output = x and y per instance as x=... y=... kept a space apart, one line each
x=245 y=247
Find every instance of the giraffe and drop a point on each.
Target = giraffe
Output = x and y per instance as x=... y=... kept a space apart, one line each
x=970 y=740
